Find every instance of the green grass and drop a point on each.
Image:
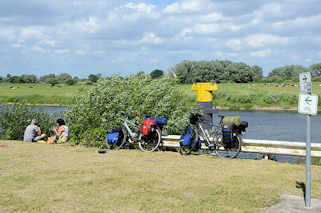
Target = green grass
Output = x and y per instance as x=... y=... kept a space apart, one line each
x=252 y=96
x=229 y=96
x=40 y=93
x=62 y=178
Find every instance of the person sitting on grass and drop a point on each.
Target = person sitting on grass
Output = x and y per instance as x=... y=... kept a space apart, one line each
x=33 y=132
x=61 y=133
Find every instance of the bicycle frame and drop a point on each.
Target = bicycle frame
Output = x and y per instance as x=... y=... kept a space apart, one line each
x=204 y=134
x=132 y=134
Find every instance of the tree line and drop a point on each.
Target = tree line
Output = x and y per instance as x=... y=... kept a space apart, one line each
x=188 y=72
x=64 y=78
x=52 y=79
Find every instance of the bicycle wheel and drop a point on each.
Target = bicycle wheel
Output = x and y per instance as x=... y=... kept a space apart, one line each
x=122 y=140
x=187 y=149
x=149 y=143
x=229 y=150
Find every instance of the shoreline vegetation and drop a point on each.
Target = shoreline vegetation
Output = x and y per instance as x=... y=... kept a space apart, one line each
x=273 y=97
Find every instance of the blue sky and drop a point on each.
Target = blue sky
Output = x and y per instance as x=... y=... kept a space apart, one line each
x=81 y=37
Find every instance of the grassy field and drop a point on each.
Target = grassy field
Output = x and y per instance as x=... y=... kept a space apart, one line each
x=61 y=94
x=229 y=96
x=254 y=95
x=62 y=178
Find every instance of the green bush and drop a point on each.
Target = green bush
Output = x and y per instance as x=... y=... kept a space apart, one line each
x=272 y=99
x=290 y=98
x=14 y=120
x=100 y=110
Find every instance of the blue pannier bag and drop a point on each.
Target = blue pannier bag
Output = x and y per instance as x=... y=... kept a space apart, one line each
x=188 y=139
x=187 y=136
x=159 y=121
x=112 y=137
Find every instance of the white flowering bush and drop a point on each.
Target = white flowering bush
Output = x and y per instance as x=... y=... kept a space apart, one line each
x=92 y=115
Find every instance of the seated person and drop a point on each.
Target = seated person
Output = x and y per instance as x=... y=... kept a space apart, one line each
x=61 y=133
x=33 y=132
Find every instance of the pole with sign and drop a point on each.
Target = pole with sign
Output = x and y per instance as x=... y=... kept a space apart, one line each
x=308 y=104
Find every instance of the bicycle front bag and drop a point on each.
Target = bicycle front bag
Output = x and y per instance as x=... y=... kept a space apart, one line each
x=147 y=127
x=189 y=139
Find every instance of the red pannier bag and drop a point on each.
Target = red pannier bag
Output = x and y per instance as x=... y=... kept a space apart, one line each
x=147 y=126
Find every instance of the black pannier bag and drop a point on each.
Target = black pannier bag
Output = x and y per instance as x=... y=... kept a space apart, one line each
x=194 y=118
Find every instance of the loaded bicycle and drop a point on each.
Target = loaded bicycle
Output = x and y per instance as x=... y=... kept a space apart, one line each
x=224 y=138
x=148 y=136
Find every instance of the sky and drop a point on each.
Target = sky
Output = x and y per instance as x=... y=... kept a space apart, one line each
x=83 y=37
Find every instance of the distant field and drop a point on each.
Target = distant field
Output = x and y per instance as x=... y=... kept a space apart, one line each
x=253 y=95
x=229 y=96
x=61 y=178
x=40 y=93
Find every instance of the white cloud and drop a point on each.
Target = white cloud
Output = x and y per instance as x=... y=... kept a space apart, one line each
x=7 y=33
x=189 y=6
x=151 y=38
x=261 y=40
x=172 y=8
x=92 y=25
x=261 y=53
x=309 y=21
x=225 y=54
x=38 y=49
x=99 y=52
x=207 y=28
x=80 y=52
x=234 y=44
x=211 y=17
x=32 y=32
x=134 y=11
x=48 y=42
x=141 y=7
x=62 y=51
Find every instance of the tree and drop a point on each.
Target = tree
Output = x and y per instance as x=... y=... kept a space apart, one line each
x=15 y=79
x=93 y=78
x=52 y=81
x=29 y=78
x=258 y=72
x=287 y=73
x=315 y=71
x=63 y=77
x=156 y=73
x=46 y=77
x=70 y=81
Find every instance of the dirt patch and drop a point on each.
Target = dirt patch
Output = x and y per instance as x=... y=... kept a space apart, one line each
x=295 y=204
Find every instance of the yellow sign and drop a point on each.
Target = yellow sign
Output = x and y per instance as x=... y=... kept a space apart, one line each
x=204 y=91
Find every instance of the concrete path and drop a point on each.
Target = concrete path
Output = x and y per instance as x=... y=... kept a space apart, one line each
x=295 y=204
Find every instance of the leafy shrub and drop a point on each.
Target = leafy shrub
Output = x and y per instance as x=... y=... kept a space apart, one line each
x=289 y=98
x=14 y=120
x=100 y=110
x=272 y=99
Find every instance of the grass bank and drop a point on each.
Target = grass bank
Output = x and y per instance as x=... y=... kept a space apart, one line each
x=254 y=96
x=62 y=178
x=232 y=96
x=60 y=94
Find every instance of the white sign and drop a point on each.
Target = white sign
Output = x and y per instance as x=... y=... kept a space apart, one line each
x=308 y=104
x=305 y=82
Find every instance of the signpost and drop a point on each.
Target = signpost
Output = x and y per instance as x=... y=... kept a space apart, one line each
x=308 y=104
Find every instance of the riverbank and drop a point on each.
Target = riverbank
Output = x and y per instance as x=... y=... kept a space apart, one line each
x=63 y=178
x=230 y=96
